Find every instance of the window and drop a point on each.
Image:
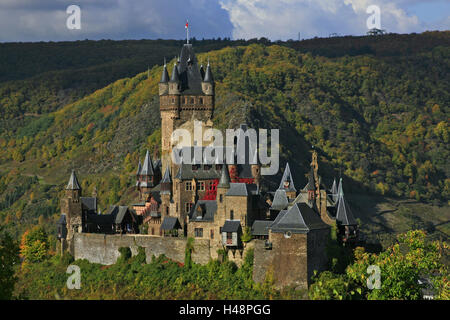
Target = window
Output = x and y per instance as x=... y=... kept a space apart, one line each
x=229 y=238
x=218 y=167
x=201 y=185
x=173 y=100
x=198 y=232
x=194 y=167
x=212 y=234
x=201 y=100
x=188 y=207
x=191 y=101
x=153 y=231
x=231 y=215
x=167 y=211
x=221 y=198
x=188 y=186
x=206 y=167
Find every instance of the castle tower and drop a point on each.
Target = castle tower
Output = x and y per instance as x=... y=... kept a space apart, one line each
x=222 y=188
x=146 y=176
x=166 y=192
x=185 y=97
x=72 y=208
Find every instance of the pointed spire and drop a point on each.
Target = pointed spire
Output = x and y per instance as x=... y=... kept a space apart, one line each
x=287 y=183
x=340 y=190
x=166 y=178
x=334 y=191
x=139 y=168
x=202 y=71
x=224 y=181
x=174 y=77
x=344 y=215
x=208 y=74
x=147 y=168
x=165 y=74
x=73 y=182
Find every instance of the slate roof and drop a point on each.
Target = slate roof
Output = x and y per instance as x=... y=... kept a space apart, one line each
x=139 y=168
x=89 y=204
x=242 y=189
x=73 y=182
x=334 y=191
x=311 y=185
x=147 y=167
x=300 y=218
x=287 y=176
x=340 y=189
x=175 y=77
x=170 y=223
x=165 y=75
x=344 y=215
x=280 y=200
x=231 y=226
x=224 y=181
x=261 y=227
x=189 y=72
x=208 y=74
x=208 y=210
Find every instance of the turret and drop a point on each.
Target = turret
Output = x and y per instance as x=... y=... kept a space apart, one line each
x=208 y=82
x=73 y=189
x=174 y=83
x=287 y=183
x=166 y=182
x=164 y=83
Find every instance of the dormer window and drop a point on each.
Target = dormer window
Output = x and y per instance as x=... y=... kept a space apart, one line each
x=286 y=184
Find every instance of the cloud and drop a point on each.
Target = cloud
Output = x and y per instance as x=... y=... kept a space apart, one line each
x=283 y=19
x=44 y=20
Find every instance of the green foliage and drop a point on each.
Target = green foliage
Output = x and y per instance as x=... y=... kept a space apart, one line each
x=246 y=235
x=401 y=266
x=34 y=246
x=188 y=252
x=9 y=257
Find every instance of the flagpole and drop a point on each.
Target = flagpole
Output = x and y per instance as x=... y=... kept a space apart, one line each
x=187 y=31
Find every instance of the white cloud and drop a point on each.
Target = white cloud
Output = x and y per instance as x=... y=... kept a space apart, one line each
x=283 y=19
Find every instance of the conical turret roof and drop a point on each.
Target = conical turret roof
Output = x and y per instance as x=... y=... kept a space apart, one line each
x=175 y=77
x=147 y=168
x=73 y=182
x=334 y=191
x=165 y=75
x=139 y=168
x=166 y=178
x=208 y=74
x=224 y=181
x=287 y=177
x=344 y=215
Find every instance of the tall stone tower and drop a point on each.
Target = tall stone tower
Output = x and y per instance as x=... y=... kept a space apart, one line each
x=186 y=96
x=71 y=206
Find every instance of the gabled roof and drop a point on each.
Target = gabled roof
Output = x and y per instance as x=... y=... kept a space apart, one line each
x=147 y=167
x=287 y=177
x=208 y=210
x=300 y=218
x=231 y=226
x=170 y=223
x=89 y=204
x=238 y=189
x=280 y=200
x=261 y=227
x=344 y=215
x=73 y=182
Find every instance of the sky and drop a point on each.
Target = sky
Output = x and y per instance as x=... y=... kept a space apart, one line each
x=46 y=20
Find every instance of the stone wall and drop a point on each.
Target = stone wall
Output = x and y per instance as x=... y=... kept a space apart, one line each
x=104 y=249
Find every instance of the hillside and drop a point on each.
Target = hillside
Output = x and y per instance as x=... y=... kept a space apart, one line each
x=381 y=120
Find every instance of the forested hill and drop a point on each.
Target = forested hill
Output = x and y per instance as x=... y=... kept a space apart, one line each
x=379 y=118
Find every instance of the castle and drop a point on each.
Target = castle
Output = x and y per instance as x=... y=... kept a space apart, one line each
x=220 y=205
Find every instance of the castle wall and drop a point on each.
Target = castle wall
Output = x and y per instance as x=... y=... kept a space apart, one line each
x=104 y=249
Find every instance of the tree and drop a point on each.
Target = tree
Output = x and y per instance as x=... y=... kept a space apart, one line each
x=34 y=245
x=9 y=256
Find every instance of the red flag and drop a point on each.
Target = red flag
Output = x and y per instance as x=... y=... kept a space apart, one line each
x=187 y=25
